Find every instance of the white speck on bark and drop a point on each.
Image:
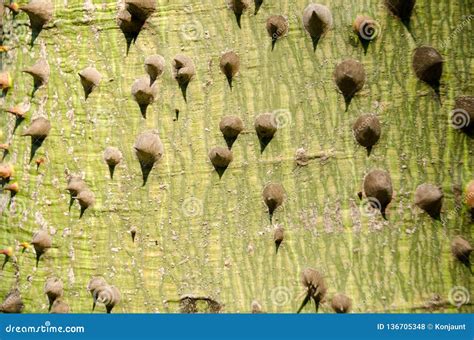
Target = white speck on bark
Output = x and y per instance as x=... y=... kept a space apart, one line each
x=71 y=276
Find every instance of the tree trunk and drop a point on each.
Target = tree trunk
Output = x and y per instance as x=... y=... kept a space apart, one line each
x=202 y=234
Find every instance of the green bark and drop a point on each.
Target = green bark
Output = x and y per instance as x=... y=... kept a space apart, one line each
x=222 y=246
